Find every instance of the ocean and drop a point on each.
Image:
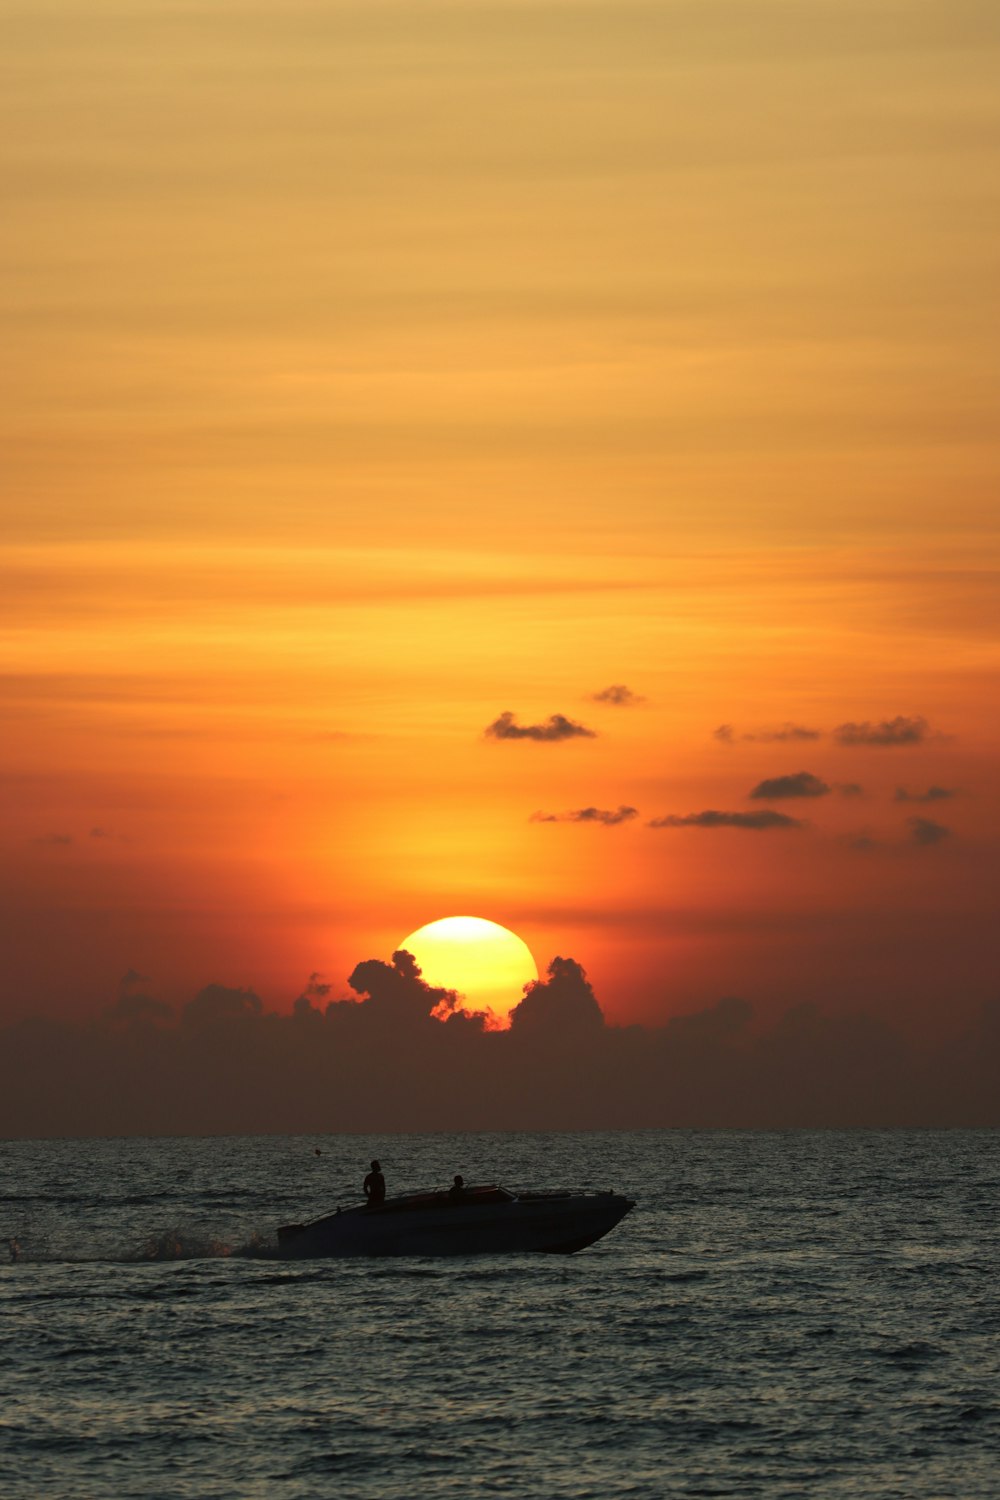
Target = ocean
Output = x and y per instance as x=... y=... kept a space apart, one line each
x=783 y=1314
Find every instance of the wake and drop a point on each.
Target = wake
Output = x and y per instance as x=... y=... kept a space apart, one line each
x=174 y=1244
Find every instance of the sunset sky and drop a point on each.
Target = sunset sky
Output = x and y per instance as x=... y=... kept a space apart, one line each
x=452 y=448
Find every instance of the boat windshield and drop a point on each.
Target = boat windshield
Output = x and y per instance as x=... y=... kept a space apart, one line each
x=471 y=1196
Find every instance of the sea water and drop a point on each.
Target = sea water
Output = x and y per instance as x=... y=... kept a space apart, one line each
x=783 y=1314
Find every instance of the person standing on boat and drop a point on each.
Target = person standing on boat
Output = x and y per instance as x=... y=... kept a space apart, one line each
x=374 y=1186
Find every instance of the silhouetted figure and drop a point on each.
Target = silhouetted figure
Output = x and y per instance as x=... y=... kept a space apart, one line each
x=374 y=1186
x=457 y=1190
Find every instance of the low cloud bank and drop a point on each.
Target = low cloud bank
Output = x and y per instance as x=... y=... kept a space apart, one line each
x=398 y=1054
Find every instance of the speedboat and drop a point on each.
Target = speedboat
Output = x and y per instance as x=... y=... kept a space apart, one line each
x=487 y=1220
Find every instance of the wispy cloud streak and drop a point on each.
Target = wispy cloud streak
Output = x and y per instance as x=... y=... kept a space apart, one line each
x=605 y=816
x=755 y=821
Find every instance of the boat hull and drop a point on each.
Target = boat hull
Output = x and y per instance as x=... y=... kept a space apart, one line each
x=540 y=1223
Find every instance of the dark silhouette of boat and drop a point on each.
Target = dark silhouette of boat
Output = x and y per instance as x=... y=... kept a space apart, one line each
x=480 y=1221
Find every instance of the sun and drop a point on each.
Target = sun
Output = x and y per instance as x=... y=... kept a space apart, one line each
x=487 y=964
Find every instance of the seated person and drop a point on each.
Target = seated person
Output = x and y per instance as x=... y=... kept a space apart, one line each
x=457 y=1190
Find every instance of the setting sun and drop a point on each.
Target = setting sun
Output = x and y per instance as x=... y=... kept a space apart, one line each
x=487 y=964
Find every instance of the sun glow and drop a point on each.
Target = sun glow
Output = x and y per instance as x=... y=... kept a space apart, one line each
x=487 y=964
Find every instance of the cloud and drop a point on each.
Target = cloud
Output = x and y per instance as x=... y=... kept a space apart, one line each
x=783 y=734
x=561 y=1005
x=850 y=789
x=397 y=993
x=316 y=988
x=762 y=820
x=135 y=1007
x=618 y=695
x=217 y=1003
x=799 y=784
x=932 y=794
x=132 y=1008
x=66 y=840
x=863 y=843
x=608 y=817
x=728 y=1020
x=926 y=832
x=898 y=731
x=556 y=727
x=355 y=1067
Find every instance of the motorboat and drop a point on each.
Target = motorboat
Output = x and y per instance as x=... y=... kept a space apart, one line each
x=487 y=1220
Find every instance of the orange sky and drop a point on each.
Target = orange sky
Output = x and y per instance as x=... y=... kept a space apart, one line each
x=372 y=369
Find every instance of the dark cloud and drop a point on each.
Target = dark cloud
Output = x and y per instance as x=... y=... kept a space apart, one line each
x=108 y=833
x=562 y=1005
x=556 y=727
x=607 y=817
x=618 y=695
x=782 y=734
x=898 y=731
x=217 y=1003
x=798 y=784
x=932 y=794
x=316 y=989
x=136 y=1009
x=850 y=789
x=762 y=820
x=397 y=993
x=926 y=832
x=54 y=840
x=727 y=1020
x=863 y=843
